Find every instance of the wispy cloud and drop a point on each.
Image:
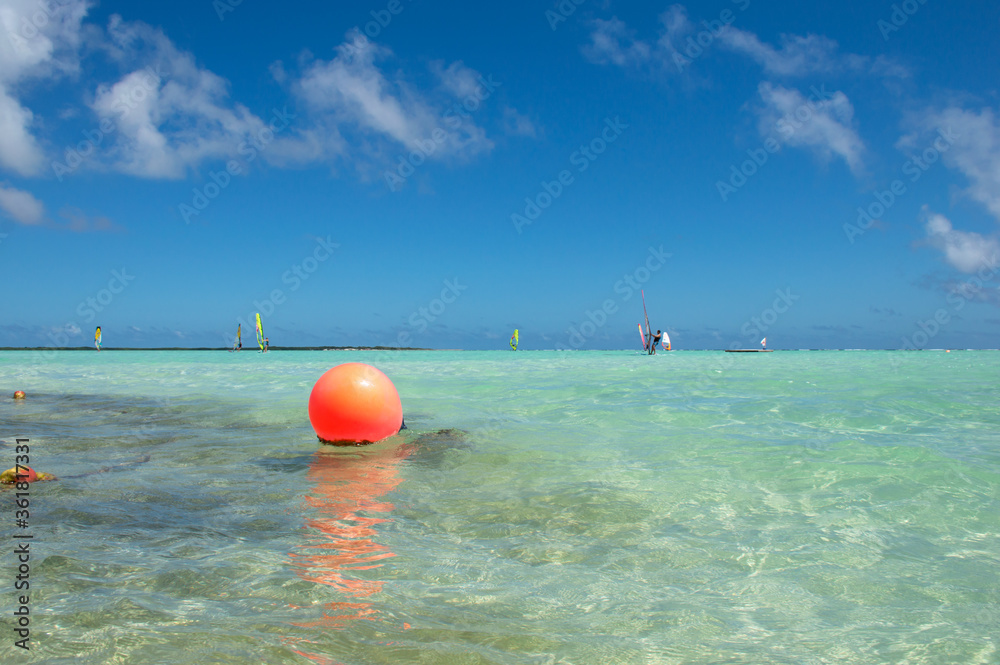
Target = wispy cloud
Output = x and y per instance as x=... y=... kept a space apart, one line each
x=353 y=104
x=797 y=55
x=21 y=206
x=40 y=41
x=827 y=130
x=975 y=149
x=967 y=251
x=78 y=221
x=517 y=124
x=171 y=114
x=613 y=43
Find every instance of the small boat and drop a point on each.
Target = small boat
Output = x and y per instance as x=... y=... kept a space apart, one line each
x=514 y=340
x=763 y=349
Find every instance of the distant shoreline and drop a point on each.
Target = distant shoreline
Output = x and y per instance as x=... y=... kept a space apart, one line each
x=408 y=348
x=218 y=348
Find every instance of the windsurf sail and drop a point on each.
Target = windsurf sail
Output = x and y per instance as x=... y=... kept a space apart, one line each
x=648 y=345
x=260 y=333
x=97 y=338
x=237 y=343
x=642 y=336
x=648 y=331
x=665 y=342
x=514 y=340
x=763 y=343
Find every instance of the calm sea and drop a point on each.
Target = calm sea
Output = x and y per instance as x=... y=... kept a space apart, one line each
x=576 y=508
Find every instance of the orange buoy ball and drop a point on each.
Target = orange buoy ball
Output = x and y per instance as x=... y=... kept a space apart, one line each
x=354 y=403
x=18 y=394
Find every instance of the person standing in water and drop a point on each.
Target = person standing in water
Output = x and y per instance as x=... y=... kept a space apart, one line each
x=656 y=340
x=266 y=345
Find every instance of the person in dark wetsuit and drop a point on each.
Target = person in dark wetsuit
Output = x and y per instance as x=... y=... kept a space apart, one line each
x=266 y=345
x=656 y=340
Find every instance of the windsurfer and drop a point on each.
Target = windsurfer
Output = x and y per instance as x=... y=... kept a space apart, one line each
x=266 y=344
x=656 y=340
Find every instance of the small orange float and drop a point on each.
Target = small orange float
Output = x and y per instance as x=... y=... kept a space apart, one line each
x=354 y=403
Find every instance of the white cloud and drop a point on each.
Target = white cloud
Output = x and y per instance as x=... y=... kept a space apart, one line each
x=350 y=94
x=798 y=56
x=170 y=114
x=974 y=149
x=37 y=40
x=42 y=38
x=21 y=206
x=611 y=42
x=79 y=222
x=19 y=151
x=456 y=78
x=824 y=126
x=517 y=124
x=966 y=251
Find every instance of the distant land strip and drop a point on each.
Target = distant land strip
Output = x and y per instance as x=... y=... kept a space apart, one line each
x=218 y=348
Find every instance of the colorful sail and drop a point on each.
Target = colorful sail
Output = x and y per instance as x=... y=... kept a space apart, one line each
x=763 y=343
x=514 y=340
x=649 y=333
x=238 y=343
x=260 y=333
x=97 y=338
x=665 y=342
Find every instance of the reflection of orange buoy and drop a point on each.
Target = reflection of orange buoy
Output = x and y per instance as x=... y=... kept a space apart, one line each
x=354 y=403
x=342 y=544
x=18 y=394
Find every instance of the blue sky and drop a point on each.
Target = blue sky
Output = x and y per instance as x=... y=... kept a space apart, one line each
x=402 y=172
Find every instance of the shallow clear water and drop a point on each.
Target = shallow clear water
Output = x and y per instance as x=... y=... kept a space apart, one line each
x=543 y=507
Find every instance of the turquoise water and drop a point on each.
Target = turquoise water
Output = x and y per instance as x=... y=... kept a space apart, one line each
x=544 y=507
